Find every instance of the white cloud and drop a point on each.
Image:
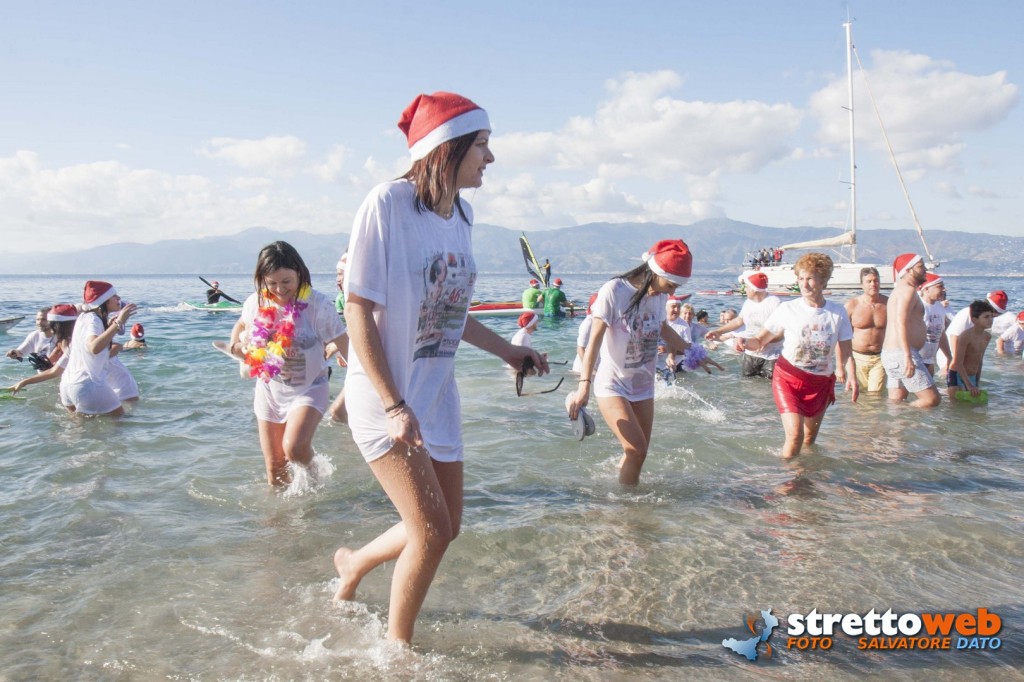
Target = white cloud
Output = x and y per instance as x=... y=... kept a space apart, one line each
x=983 y=193
x=277 y=155
x=926 y=105
x=641 y=131
x=331 y=168
x=83 y=205
x=948 y=189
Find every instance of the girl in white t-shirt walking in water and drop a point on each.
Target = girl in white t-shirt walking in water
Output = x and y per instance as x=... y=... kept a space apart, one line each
x=408 y=288
x=286 y=334
x=629 y=320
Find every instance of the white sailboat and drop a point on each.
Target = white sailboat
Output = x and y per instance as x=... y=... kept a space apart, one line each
x=846 y=274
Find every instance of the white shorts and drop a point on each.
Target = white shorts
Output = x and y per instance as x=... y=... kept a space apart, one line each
x=273 y=401
x=92 y=398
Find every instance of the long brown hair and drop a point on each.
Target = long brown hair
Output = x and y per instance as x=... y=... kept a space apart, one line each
x=646 y=276
x=275 y=256
x=433 y=174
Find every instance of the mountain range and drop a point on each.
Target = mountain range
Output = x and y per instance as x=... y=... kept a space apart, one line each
x=718 y=245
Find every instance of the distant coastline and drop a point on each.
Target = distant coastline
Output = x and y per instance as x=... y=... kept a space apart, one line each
x=719 y=245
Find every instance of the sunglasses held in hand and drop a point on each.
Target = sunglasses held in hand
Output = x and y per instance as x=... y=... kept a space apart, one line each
x=521 y=374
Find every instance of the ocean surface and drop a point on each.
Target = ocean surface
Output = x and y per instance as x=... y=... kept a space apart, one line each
x=151 y=548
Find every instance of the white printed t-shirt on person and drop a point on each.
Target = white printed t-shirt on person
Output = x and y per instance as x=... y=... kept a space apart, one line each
x=304 y=364
x=934 y=325
x=630 y=348
x=418 y=270
x=37 y=342
x=754 y=314
x=811 y=334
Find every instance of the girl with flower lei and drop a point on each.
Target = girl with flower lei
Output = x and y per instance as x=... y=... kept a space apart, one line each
x=285 y=337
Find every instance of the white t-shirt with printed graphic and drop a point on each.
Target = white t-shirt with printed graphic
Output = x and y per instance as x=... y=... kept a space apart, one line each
x=811 y=334
x=754 y=314
x=934 y=325
x=418 y=270
x=37 y=342
x=630 y=348
x=304 y=362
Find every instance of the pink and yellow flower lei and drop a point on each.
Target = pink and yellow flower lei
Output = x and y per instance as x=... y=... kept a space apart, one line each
x=273 y=330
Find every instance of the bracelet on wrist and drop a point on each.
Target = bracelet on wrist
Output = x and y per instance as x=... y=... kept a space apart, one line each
x=394 y=408
x=584 y=381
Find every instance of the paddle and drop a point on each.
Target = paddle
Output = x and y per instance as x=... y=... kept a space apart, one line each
x=222 y=294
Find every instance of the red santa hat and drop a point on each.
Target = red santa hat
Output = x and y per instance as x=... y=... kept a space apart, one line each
x=534 y=283
x=97 y=293
x=526 y=319
x=931 y=280
x=671 y=259
x=558 y=282
x=434 y=119
x=903 y=263
x=1020 y=316
x=590 y=303
x=62 y=312
x=758 y=281
x=999 y=301
x=138 y=331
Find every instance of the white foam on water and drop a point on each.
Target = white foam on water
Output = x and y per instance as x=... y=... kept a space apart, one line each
x=309 y=479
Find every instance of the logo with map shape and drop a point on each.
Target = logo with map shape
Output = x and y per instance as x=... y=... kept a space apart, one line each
x=748 y=647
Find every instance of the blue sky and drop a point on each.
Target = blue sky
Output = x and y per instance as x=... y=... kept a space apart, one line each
x=144 y=121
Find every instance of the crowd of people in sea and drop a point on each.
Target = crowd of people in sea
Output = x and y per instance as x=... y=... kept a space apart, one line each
x=405 y=284
x=766 y=257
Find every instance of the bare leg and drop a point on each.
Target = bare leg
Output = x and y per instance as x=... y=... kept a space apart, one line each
x=418 y=488
x=811 y=426
x=298 y=434
x=337 y=410
x=793 y=424
x=272 y=444
x=631 y=423
x=352 y=565
x=927 y=398
x=898 y=394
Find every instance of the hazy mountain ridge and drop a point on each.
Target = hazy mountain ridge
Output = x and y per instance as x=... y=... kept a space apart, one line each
x=718 y=245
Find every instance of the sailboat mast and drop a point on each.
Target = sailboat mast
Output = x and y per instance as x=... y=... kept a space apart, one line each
x=853 y=151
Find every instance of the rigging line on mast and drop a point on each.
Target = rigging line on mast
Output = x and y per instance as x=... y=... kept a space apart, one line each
x=892 y=155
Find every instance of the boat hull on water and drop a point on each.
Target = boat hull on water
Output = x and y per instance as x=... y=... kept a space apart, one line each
x=8 y=322
x=845 y=277
x=218 y=307
x=501 y=309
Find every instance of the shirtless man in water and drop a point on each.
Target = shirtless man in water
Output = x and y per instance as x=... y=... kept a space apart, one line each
x=868 y=315
x=906 y=334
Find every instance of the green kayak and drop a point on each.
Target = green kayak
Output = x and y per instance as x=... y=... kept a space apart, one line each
x=218 y=307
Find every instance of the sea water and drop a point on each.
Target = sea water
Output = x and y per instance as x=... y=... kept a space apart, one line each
x=150 y=547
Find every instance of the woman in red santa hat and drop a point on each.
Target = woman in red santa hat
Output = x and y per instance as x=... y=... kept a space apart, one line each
x=84 y=386
x=629 y=320
x=408 y=289
x=811 y=329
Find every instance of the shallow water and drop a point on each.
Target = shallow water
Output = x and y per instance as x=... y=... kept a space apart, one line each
x=150 y=547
